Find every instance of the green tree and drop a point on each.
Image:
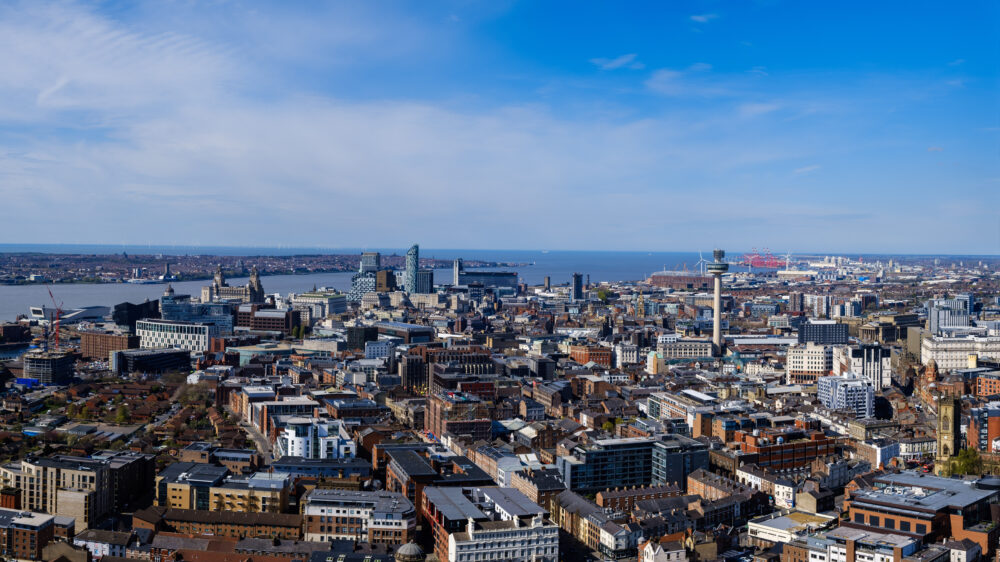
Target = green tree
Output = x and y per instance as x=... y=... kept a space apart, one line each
x=967 y=462
x=122 y=415
x=608 y=426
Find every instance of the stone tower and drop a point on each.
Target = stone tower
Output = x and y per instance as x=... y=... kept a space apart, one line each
x=948 y=434
x=255 y=289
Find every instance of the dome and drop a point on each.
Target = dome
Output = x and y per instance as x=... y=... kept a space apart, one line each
x=410 y=552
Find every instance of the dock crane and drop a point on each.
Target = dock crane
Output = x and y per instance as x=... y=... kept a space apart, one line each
x=59 y=310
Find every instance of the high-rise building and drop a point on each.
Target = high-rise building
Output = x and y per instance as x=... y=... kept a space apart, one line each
x=576 y=289
x=412 y=267
x=825 y=332
x=385 y=281
x=370 y=261
x=872 y=362
x=425 y=282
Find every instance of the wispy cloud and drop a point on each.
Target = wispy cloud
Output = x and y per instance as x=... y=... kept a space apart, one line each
x=806 y=169
x=755 y=109
x=956 y=62
x=704 y=18
x=695 y=81
x=623 y=61
x=934 y=149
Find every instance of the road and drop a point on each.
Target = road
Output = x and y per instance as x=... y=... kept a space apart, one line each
x=261 y=442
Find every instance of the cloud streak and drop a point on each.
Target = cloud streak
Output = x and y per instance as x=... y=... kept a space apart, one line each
x=623 y=61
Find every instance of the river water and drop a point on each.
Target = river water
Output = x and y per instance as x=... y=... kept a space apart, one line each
x=559 y=265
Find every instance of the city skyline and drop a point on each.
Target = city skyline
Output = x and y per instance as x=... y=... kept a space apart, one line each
x=778 y=125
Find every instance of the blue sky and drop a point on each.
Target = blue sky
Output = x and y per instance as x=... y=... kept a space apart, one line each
x=799 y=126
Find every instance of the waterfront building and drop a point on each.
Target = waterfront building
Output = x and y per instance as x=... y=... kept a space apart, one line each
x=252 y=292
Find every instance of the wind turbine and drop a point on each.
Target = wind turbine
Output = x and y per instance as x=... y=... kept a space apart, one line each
x=701 y=264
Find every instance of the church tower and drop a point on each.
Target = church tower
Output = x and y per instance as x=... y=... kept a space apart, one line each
x=948 y=434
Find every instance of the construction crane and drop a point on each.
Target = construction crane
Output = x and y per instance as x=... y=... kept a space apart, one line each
x=59 y=311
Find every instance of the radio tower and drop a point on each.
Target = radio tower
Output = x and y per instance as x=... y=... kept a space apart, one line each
x=716 y=269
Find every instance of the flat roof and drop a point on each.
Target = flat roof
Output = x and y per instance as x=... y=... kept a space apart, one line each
x=453 y=504
x=913 y=490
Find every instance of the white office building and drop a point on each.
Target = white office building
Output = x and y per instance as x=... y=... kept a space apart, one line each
x=847 y=393
x=871 y=362
x=379 y=349
x=156 y=334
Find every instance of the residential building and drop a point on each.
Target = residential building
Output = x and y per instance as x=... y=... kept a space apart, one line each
x=377 y=517
x=24 y=534
x=608 y=463
x=312 y=438
x=473 y=524
x=99 y=345
x=74 y=487
x=188 y=485
x=674 y=458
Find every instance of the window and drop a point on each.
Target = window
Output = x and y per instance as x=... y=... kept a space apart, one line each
x=873 y=521
x=904 y=526
x=890 y=523
x=921 y=529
